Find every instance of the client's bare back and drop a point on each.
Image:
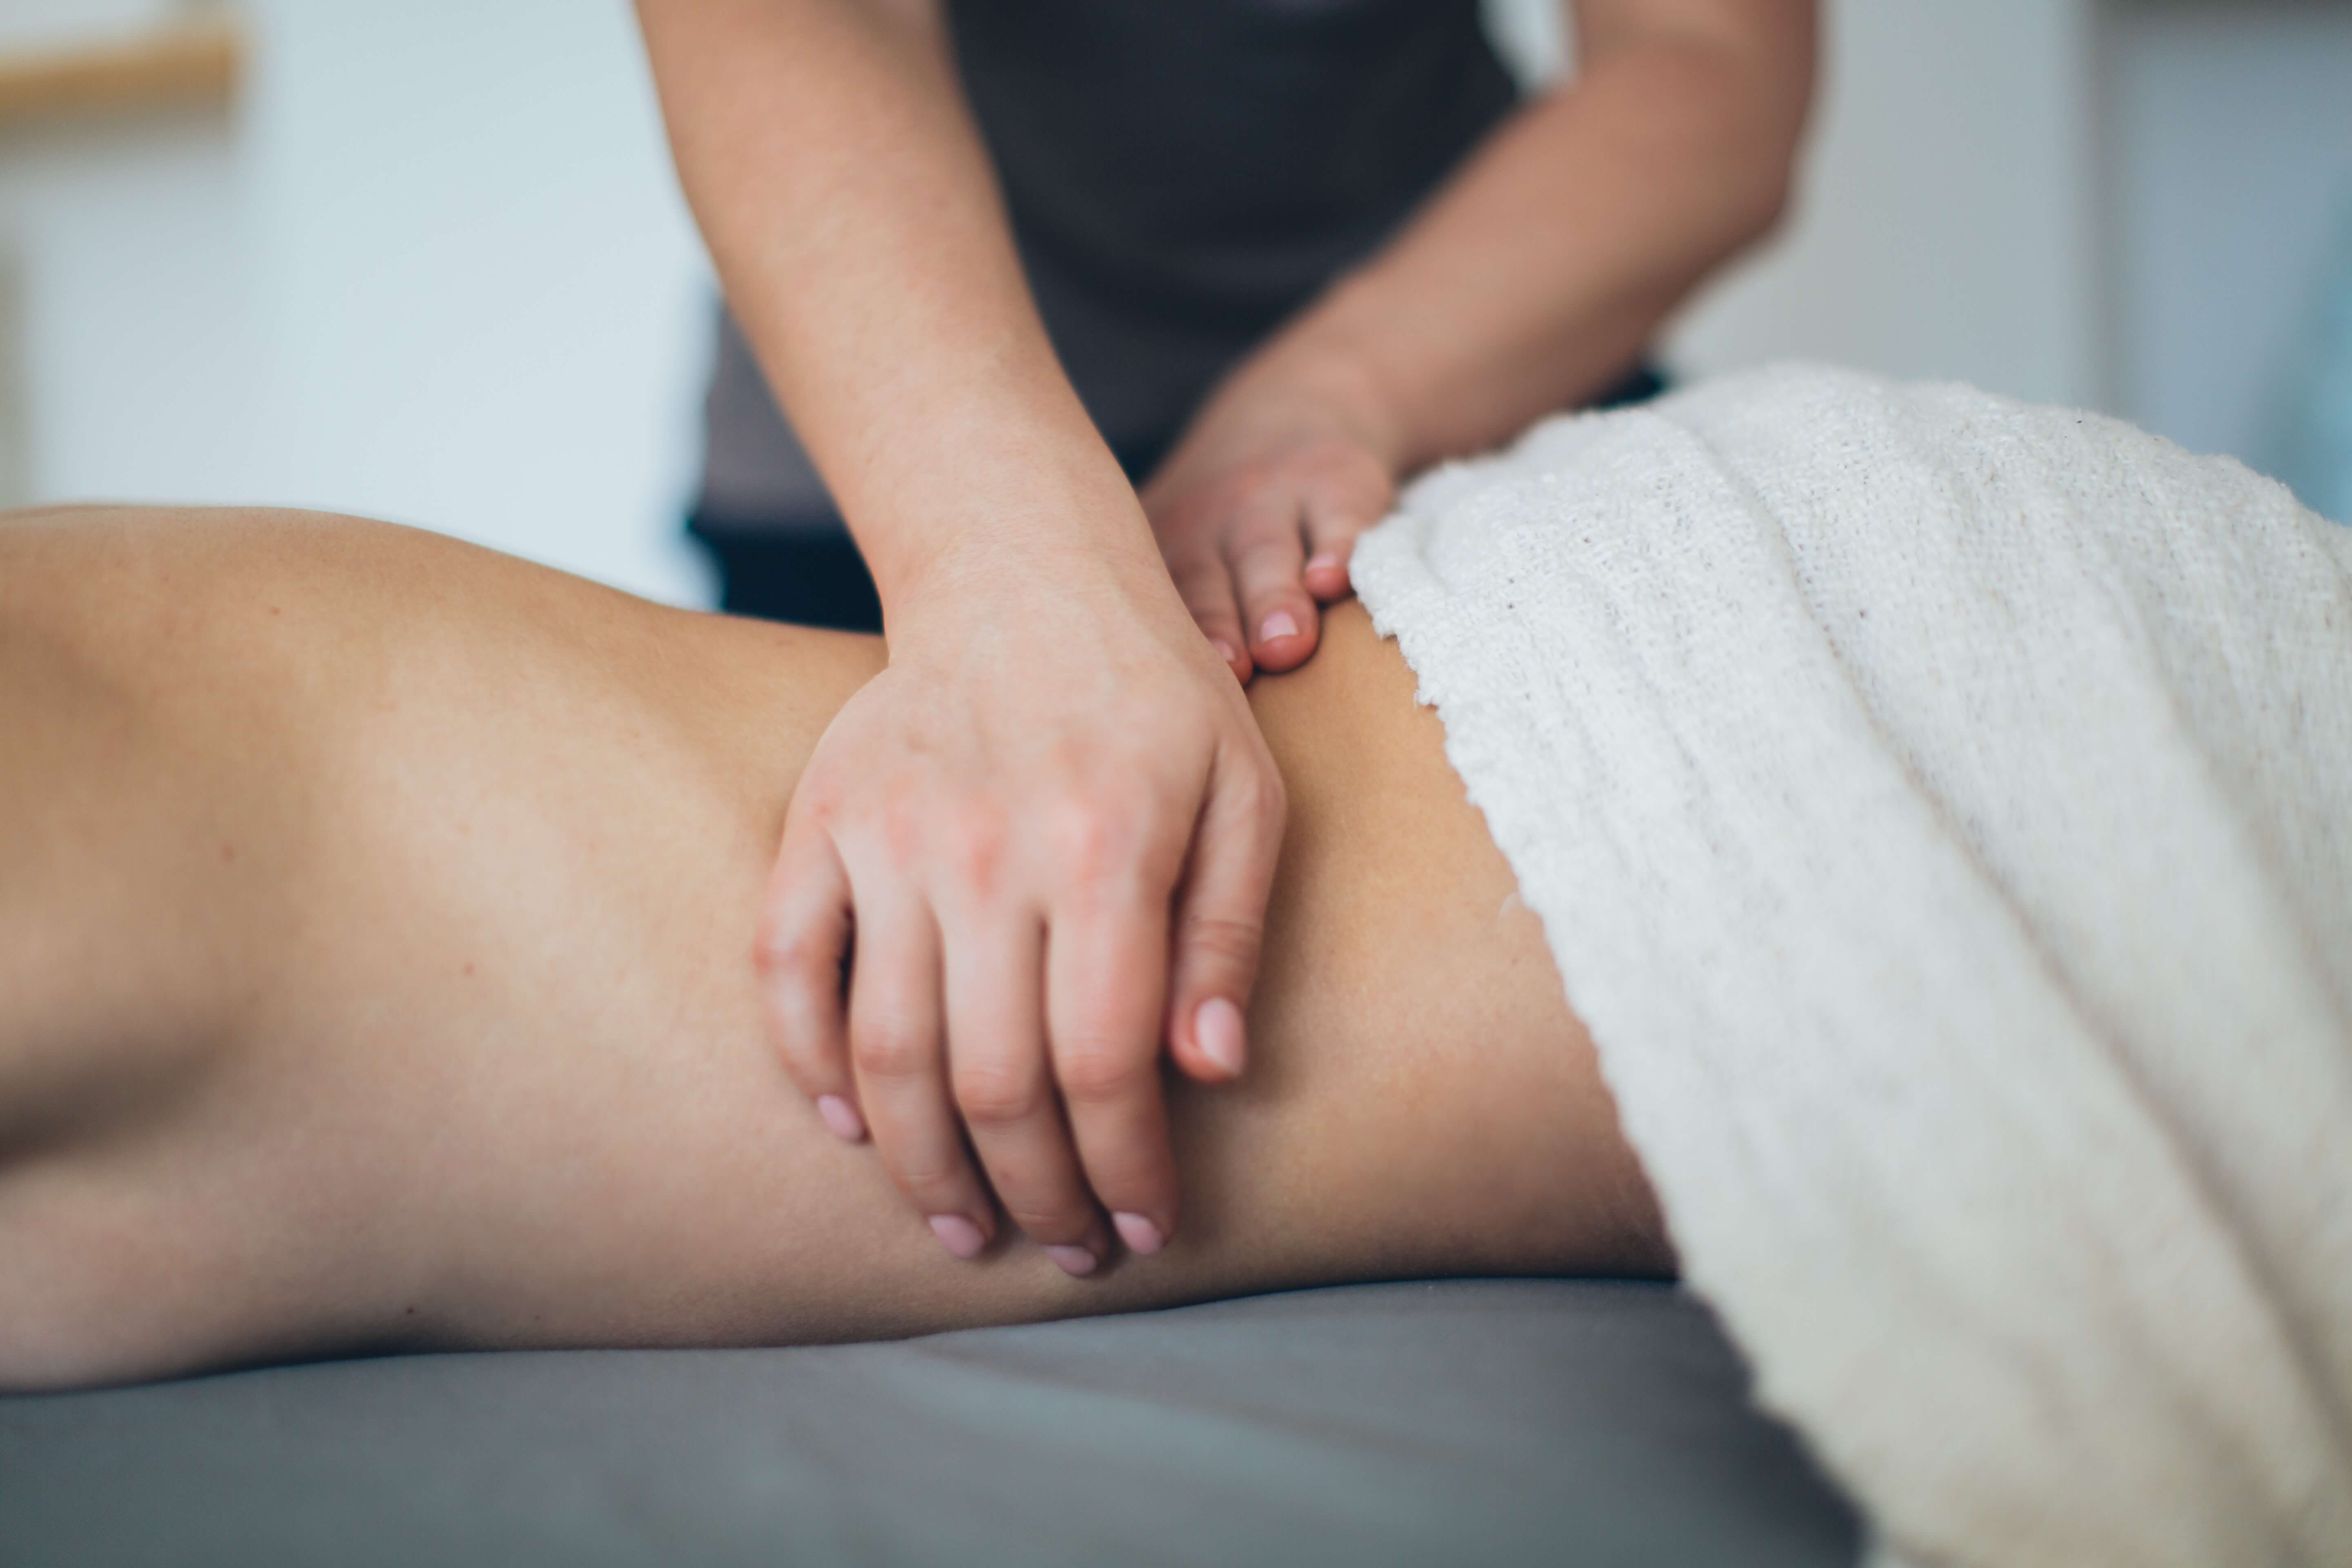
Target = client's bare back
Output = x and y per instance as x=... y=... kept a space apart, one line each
x=374 y=926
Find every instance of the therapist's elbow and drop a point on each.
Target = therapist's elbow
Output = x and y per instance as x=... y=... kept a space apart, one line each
x=1759 y=108
x=1766 y=199
x=1761 y=148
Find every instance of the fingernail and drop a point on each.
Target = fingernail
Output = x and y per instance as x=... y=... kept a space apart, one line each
x=1323 y=561
x=1225 y=649
x=958 y=1235
x=1278 y=624
x=1075 y=1261
x=842 y=1117
x=1217 y=1028
x=1140 y=1234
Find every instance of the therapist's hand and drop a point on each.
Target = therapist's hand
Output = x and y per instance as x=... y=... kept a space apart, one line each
x=1039 y=844
x=1258 y=506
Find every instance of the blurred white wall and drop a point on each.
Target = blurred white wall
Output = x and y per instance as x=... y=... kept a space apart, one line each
x=485 y=305
x=434 y=269
x=135 y=331
x=1947 y=226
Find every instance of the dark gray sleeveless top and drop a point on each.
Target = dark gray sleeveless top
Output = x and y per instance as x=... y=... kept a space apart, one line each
x=1181 y=174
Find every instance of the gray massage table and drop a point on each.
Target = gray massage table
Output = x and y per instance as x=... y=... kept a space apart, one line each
x=1471 y=1422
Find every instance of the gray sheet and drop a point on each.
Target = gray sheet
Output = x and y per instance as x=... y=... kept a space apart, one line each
x=1471 y=1422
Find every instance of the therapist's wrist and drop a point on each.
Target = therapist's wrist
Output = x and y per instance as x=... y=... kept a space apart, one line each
x=1043 y=568
x=1001 y=567
x=1018 y=510
x=1326 y=371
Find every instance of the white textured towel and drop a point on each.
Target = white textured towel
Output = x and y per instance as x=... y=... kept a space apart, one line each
x=1940 y=810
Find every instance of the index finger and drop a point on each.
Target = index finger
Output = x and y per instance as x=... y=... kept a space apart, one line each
x=1221 y=914
x=802 y=954
x=1106 y=980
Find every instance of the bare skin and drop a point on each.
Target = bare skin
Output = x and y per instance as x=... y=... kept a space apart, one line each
x=372 y=973
x=992 y=800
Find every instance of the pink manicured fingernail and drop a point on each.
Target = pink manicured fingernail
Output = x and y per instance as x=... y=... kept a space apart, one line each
x=958 y=1235
x=1217 y=1028
x=1278 y=624
x=1225 y=649
x=1325 y=561
x=1140 y=1234
x=1075 y=1261
x=842 y=1117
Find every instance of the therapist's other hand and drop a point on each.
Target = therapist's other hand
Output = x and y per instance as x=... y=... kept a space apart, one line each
x=1048 y=831
x=1257 y=508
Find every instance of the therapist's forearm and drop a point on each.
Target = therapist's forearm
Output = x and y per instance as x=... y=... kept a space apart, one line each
x=856 y=223
x=1542 y=267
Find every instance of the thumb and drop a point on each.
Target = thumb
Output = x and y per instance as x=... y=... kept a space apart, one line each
x=1220 y=923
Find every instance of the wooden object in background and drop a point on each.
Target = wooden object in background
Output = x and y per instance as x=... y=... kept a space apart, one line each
x=191 y=62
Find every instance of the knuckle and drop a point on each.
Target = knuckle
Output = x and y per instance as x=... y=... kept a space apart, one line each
x=890 y=1052
x=791 y=955
x=1268 y=550
x=816 y=802
x=992 y=1097
x=1095 y=1071
x=902 y=838
x=1098 y=841
x=1259 y=800
x=976 y=849
x=934 y=1178
x=1052 y=1222
x=1267 y=585
x=1230 y=943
